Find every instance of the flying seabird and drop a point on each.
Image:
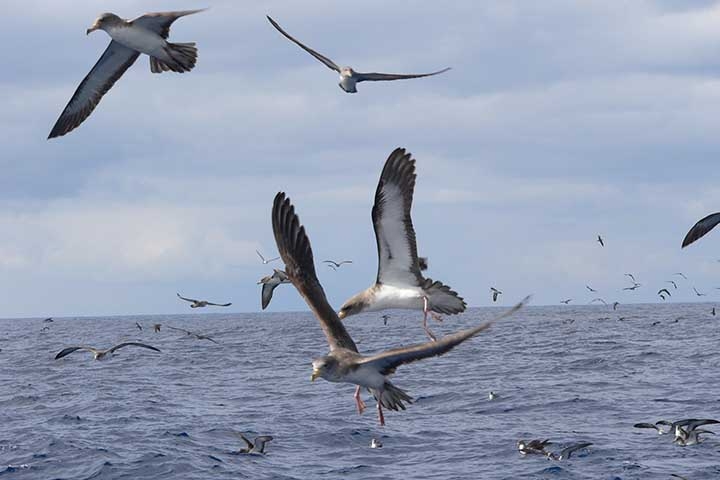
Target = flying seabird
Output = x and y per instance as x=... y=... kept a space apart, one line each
x=268 y=286
x=385 y=317
x=349 y=77
x=533 y=446
x=400 y=283
x=146 y=34
x=138 y=326
x=631 y=277
x=634 y=286
x=344 y=364
x=701 y=228
x=681 y=274
x=256 y=446
x=202 y=303
x=48 y=320
x=615 y=305
x=335 y=265
x=600 y=241
x=566 y=301
x=659 y=429
x=198 y=336
x=102 y=354
x=713 y=312
x=672 y=282
x=264 y=261
x=495 y=293
x=590 y=288
x=667 y=292
x=156 y=327
x=698 y=293
x=598 y=300
x=566 y=452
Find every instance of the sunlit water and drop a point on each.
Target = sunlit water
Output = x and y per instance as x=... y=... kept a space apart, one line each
x=144 y=415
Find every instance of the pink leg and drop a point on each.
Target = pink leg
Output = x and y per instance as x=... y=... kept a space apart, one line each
x=381 y=417
x=358 y=401
x=425 y=315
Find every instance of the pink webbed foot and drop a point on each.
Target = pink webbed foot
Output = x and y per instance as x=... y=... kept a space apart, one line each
x=425 y=315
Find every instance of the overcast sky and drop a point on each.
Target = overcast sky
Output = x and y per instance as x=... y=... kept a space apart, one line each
x=559 y=121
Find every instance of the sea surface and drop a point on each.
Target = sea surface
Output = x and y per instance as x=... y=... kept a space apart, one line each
x=569 y=374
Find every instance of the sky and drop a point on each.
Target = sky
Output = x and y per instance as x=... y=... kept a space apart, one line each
x=560 y=120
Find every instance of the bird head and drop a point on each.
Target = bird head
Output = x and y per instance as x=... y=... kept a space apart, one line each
x=104 y=21
x=351 y=307
x=323 y=367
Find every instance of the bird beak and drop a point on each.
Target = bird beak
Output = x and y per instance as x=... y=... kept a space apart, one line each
x=315 y=374
x=92 y=28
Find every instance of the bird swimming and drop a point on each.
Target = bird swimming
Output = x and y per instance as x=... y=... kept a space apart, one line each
x=533 y=446
x=202 y=303
x=399 y=282
x=349 y=78
x=268 y=286
x=344 y=364
x=375 y=443
x=146 y=34
x=335 y=265
x=590 y=288
x=99 y=354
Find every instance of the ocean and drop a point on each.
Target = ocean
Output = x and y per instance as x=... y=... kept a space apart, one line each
x=566 y=373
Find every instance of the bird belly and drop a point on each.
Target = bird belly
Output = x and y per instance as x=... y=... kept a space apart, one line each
x=388 y=296
x=366 y=377
x=348 y=84
x=140 y=40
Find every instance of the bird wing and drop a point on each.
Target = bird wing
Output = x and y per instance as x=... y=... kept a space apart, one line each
x=295 y=250
x=247 y=442
x=567 y=451
x=188 y=332
x=386 y=362
x=394 y=233
x=332 y=262
x=261 y=441
x=646 y=425
x=219 y=304
x=374 y=77
x=191 y=300
x=267 y=293
x=599 y=300
x=260 y=255
x=159 y=22
x=67 y=351
x=137 y=344
x=109 y=68
x=692 y=424
x=205 y=337
x=328 y=63
x=701 y=228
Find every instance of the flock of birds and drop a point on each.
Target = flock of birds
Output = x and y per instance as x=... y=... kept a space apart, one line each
x=400 y=282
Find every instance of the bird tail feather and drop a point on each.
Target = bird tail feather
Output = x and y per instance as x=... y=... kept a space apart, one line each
x=443 y=299
x=392 y=397
x=181 y=58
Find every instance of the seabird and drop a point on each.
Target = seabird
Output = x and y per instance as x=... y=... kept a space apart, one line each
x=156 y=327
x=615 y=305
x=667 y=292
x=681 y=274
x=566 y=301
x=495 y=293
x=198 y=336
x=566 y=452
x=202 y=303
x=48 y=320
x=492 y=395
x=336 y=265
x=268 y=286
x=400 y=283
x=701 y=228
x=659 y=429
x=598 y=300
x=631 y=277
x=375 y=443
x=533 y=446
x=344 y=364
x=146 y=34
x=102 y=354
x=672 y=282
x=264 y=261
x=138 y=326
x=349 y=77
x=386 y=317
x=713 y=312
x=590 y=288
x=634 y=287
x=256 y=446
x=698 y=293
x=600 y=241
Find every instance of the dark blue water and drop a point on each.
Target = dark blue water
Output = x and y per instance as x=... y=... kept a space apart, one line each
x=143 y=415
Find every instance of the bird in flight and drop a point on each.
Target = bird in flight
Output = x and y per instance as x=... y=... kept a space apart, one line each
x=268 y=285
x=102 y=354
x=590 y=288
x=702 y=227
x=335 y=265
x=566 y=452
x=533 y=446
x=256 y=446
x=198 y=336
x=681 y=274
x=202 y=303
x=495 y=293
x=264 y=261
x=566 y=301
x=400 y=282
x=138 y=326
x=672 y=282
x=631 y=277
x=344 y=364
x=600 y=241
x=146 y=34
x=349 y=78
x=698 y=293
x=665 y=291
x=598 y=300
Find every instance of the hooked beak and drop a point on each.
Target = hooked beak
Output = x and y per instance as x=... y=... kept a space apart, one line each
x=94 y=27
x=315 y=374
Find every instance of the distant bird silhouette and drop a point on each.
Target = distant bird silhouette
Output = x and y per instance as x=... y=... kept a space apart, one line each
x=138 y=326
x=672 y=282
x=615 y=305
x=375 y=443
x=631 y=277
x=102 y=354
x=566 y=301
x=600 y=241
x=634 y=287
x=264 y=261
x=256 y=446
x=335 y=265
x=202 y=303
x=701 y=228
x=591 y=289
x=198 y=336
x=713 y=312
x=681 y=274
x=156 y=327
x=598 y=300
x=533 y=446
x=385 y=318
x=566 y=452
x=495 y=293
x=667 y=292
x=698 y=293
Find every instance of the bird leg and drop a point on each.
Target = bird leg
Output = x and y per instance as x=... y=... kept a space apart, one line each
x=381 y=417
x=425 y=315
x=358 y=401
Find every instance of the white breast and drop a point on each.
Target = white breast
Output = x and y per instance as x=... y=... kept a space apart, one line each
x=139 y=39
x=388 y=296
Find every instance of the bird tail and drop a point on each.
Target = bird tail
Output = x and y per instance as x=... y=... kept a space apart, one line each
x=392 y=397
x=181 y=58
x=442 y=299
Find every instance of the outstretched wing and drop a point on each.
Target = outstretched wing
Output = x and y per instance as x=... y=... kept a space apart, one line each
x=112 y=64
x=67 y=351
x=374 y=77
x=261 y=441
x=137 y=344
x=219 y=304
x=191 y=300
x=187 y=332
x=386 y=362
x=247 y=442
x=295 y=250
x=398 y=261
x=267 y=293
x=701 y=228
x=159 y=22
x=326 y=61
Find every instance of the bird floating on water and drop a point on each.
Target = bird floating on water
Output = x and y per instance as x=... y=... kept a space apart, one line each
x=344 y=364
x=99 y=354
x=335 y=265
x=146 y=34
x=375 y=443
x=202 y=303
x=566 y=301
x=349 y=78
x=533 y=446
x=495 y=293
